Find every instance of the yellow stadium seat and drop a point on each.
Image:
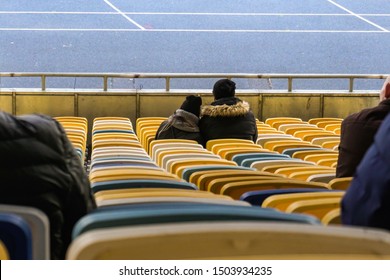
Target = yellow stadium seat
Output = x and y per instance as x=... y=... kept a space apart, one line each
x=262 y=165
x=231 y=240
x=304 y=175
x=202 y=179
x=332 y=217
x=211 y=143
x=317 y=157
x=317 y=120
x=289 y=170
x=216 y=185
x=303 y=154
x=340 y=183
x=316 y=207
x=281 y=147
x=174 y=166
x=128 y=173
x=283 y=201
x=235 y=190
x=4 y=255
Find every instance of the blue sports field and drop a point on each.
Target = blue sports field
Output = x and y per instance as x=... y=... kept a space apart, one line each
x=195 y=36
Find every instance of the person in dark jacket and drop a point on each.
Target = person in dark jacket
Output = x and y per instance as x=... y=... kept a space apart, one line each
x=183 y=124
x=358 y=131
x=367 y=200
x=40 y=168
x=227 y=116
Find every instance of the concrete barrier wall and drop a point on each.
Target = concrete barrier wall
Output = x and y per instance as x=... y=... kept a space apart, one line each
x=134 y=105
x=91 y=104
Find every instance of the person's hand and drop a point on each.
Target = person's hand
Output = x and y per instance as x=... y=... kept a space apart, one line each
x=385 y=91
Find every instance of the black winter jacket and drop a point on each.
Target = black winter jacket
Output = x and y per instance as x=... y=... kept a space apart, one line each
x=227 y=118
x=39 y=168
x=357 y=135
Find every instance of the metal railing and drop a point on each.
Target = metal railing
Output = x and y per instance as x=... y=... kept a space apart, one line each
x=290 y=78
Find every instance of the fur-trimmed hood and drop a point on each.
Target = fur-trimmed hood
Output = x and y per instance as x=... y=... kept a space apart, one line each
x=239 y=108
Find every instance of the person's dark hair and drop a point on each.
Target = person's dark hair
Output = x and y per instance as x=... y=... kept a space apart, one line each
x=192 y=104
x=224 y=88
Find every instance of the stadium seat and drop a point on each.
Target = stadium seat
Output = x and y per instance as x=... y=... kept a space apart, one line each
x=237 y=189
x=321 y=140
x=257 y=198
x=130 y=173
x=141 y=183
x=332 y=217
x=125 y=194
x=262 y=140
x=340 y=183
x=4 y=255
x=282 y=147
x=287 y=171
x=203 y=178
x=233 y=240
x=318 y=207
x=321 y=178
x=291 y=151
x=15 y=233
x=146 y=214
x=239 y=158
x=39 y=227
x=210 y=144
x=173 y=166
x=303 y=154
x=324 y=119
x=185 y=155
x=261 y=164
x=189 y=170
x=216 y=185
x=283 y=201
x=305 y=175
x=169 y=199
x=271 y=144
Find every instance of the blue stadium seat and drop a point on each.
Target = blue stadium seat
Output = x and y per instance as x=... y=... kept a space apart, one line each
x=157 y=213
x=241 y=157
x=15 y=233
x=256 y=198
x=152 y=183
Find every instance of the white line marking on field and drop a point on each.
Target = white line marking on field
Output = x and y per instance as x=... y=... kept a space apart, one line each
x=358 y=16
x=190 y=14
x=124 y=15
x=187 y=30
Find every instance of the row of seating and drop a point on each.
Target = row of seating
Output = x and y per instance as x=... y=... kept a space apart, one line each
x=302 y=166
x=138 y=207
x=174 y=199
x=237 y=183
x=76 y=129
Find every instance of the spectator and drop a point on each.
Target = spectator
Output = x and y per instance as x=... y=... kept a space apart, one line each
x=358 y=131
x=367 y=200
x=227 y=116
x=183 y=124
x=40 y=168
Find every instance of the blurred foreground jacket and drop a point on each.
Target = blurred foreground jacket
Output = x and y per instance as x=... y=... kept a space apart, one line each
x=357 y=135
x=40 y=168
x=367 y=200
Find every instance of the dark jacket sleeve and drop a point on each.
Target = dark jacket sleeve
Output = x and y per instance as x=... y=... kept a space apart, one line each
x=357 y=135
x=40 y=168
x=367 y=200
